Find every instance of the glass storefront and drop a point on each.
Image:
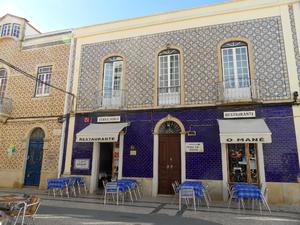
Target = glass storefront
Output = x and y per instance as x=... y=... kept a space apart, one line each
x=243 y=163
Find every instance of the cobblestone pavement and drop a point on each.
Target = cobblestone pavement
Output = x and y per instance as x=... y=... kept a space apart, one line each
x=90 y=210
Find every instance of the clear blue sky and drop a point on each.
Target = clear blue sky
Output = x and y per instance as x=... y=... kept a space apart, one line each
x=48 y=15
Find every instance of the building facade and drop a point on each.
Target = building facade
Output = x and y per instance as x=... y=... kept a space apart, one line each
x=201 y=94
x=30 y=133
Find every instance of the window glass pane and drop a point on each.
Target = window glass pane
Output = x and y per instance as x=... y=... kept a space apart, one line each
x=113 y=69
x=3 y=80
x=5 y=29
x=16 y=30
x=242 y=163
x=44 y=78
x=237 y=163
x=242 y=68
x=253 y=163
x=108 y=76
x=228 y=68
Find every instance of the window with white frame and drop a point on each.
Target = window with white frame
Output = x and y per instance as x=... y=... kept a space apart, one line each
x=5 y=29
x=15 y=30
x=113 y=70
x=236 y=74
x=3 y=80
x=169 y=77
x=44 y=78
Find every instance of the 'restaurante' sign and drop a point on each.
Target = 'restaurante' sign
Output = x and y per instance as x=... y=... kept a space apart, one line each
x=239 y=114
x=97 y=139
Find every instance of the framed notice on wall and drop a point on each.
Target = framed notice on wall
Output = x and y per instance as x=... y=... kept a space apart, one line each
x=82 y=164
x=194 y=147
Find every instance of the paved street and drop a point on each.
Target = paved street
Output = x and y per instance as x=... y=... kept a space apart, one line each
x=73 y=214
x=90 y=210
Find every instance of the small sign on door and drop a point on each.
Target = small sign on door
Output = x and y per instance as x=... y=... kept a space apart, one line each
x=194 y=147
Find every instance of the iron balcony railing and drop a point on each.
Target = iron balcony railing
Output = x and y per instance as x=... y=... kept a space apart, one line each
x=6 y=107
x=238 y=91
x=169 y=95
x=110 y=99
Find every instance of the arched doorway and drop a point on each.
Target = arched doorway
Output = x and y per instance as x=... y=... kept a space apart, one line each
x=169 y=156
x=34 y=158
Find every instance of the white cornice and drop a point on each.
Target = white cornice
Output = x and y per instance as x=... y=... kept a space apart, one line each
x=180 y=15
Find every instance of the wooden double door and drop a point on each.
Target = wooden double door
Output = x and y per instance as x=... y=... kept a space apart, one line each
x=169 y=162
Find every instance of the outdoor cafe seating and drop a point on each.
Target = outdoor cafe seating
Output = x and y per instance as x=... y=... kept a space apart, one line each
x=66 y=185
x=121 y=188
x=242 y=192
x=18 y=208
x=192 y=191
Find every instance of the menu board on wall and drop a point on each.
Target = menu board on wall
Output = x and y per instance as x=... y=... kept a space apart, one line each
x=82 y=164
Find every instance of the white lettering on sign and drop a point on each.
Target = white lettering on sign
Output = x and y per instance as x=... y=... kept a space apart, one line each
x=96 y=139
x=82 y=164
x=194 y=147
x=239 y=114
x=245 y=140
x=108 y=119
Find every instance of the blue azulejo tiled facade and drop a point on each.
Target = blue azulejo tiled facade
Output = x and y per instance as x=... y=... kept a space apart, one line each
x=188 y=77
x=280 y=156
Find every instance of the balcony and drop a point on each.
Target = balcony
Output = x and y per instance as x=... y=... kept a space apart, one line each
x=110 y=99
x=6 y=107
x=169 y=96
x=235 y=92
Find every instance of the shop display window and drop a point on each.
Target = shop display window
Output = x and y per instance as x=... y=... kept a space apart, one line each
x=242 y=163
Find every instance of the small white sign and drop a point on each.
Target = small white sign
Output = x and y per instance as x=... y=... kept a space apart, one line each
x=194 y=147
x=82 y=164
x=133 y=152
x=239 y=114
x=108 y=119
x=56 y=132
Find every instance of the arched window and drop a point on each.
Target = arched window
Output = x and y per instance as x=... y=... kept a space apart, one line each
x=37 y=134
x=169 y=77
x=3 y=80
x=236 y=73
x=169 y=127
x=112 y=80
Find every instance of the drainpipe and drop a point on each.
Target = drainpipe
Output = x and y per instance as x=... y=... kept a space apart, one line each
x=66 y=104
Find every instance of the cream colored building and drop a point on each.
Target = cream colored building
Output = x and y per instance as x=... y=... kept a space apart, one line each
x=30 y=133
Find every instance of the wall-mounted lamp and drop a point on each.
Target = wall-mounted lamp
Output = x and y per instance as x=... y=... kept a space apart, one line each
x=295 y=96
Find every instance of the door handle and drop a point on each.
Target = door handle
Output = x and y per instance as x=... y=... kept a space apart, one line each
x=171 y=166
x=167 y=166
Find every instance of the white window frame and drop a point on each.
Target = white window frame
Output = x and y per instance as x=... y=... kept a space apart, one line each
x=16 y=28
x=3 y=83
x=236 y=92
x=44 y=76
x=6 y=29
x=113 y=96
x=170 y=97
x=169 y=72
x=114 y=66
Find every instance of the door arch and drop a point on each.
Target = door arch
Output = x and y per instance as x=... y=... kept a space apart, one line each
x=34 y=157
x=156 y=151
x=169 y=156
